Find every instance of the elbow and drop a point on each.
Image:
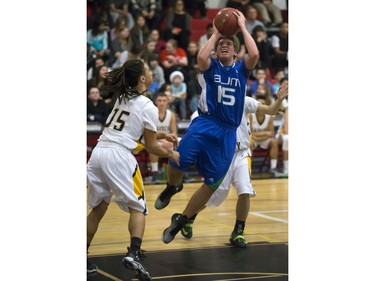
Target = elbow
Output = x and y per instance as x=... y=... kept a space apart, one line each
x=255 y=56
x=200 y=58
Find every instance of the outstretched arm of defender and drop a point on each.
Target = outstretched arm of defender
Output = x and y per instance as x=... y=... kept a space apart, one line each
x=272 y=109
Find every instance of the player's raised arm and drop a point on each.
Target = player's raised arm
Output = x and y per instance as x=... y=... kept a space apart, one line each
x=252 y=56
x=204 y=53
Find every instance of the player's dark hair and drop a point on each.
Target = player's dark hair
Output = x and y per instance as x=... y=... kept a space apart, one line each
x=160 y=94
x=123 y=81
x=234 y=39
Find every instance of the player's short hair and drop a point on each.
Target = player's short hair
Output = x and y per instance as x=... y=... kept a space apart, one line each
x=234 y=39
x=160 y=94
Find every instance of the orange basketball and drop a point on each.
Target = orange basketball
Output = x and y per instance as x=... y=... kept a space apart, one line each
x=226 y=22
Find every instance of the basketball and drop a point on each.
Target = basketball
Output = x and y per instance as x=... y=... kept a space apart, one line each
x=226 y=22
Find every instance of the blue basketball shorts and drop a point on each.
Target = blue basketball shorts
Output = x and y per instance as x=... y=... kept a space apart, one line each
x=209 y=145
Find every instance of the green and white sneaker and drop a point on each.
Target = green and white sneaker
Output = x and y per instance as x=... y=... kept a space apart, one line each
x=238 y=240
x=187 y=230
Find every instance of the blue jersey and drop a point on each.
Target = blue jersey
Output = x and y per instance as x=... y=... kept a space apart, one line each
x=224 y=91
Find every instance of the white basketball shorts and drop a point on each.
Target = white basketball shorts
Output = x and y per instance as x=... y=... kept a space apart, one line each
x=114 y=171
x=239 y=175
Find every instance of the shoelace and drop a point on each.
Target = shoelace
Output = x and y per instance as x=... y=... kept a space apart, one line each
x=140 y=255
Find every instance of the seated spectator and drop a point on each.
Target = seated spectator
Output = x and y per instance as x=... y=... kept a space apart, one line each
x=279 y=74
x=98 y=61
x=99 y=80
x=178 y=25
x=140 y=32
x=149 y=10
x=265 y=7
x=97 y=38
x=264 y=46
x=280 y=47
x=192 y=6
x=120 y=9
x=192 y=52
x=97 y=109
x=173 y=58
x=260 y=78
x=120 y=44
x=148 y=48
x=263 y=136
x=157 y=74
x=251 y=15
x=99 y=14
x=166 y=123
x=178 y=91
x=119 y=25
x=134 y=53
x=159 y=43
x=264 y=90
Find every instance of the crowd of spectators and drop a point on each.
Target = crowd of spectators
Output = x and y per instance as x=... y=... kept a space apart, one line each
x=159 y=32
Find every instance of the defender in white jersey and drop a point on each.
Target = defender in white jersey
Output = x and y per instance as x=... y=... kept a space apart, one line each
x=238 y=174
x=282 y=135
x=166 y=123
x=264 y=136
x=112 y=168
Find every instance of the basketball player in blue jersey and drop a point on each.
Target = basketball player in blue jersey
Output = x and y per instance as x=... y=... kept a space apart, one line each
x=210 y=140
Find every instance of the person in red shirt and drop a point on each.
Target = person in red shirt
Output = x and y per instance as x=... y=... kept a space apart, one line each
x=173 y=58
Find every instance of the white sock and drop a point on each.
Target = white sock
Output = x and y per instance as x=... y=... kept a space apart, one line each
x=273 y=163
x=285 y=162
x=154 y=166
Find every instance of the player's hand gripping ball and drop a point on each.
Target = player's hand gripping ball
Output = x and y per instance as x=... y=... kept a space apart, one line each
x=227 y=22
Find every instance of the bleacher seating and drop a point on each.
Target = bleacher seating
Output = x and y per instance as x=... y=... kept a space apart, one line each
x=198 y=26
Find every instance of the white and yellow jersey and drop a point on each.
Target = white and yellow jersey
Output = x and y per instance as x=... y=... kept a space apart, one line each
x=127 y=121
x=243 y=131
x=260 y=127
x=163 y=125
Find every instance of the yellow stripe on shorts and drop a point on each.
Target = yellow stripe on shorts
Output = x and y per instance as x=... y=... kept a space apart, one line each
x=249 y=164
x=137 y=182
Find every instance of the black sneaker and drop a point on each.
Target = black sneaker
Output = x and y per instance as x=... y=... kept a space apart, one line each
x=177 y=223
x=132 y=262
x=238 y=240
x=187 y=230
x=276 y=173
x=91 y=267
x=165 y=196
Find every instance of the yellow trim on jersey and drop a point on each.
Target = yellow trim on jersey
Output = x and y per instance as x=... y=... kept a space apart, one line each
x=137 y=182
x=140 y=147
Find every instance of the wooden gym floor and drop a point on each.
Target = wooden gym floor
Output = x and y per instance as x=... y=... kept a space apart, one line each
x=208 y=255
